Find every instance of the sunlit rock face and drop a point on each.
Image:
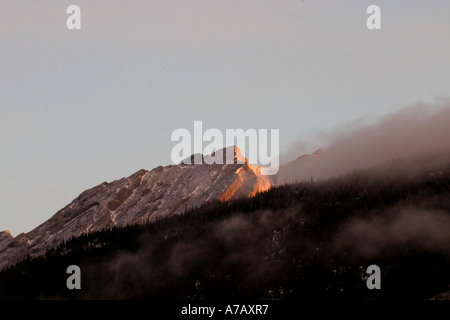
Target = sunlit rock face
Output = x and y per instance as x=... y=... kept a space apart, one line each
x=142 y=197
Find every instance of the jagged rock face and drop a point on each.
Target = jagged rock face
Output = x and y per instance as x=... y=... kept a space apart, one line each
x=12 y=249
x=228 y=155
x=5 y=238
x=142 y=197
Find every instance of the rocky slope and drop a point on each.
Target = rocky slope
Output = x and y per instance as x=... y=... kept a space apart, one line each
x=139 y=198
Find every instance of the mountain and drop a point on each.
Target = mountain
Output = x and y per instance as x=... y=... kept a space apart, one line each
x=312 y=240
x=142 y=197
x=334 y=162
x=301 y=169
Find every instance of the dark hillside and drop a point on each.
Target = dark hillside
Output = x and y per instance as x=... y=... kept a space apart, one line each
x=301 y=241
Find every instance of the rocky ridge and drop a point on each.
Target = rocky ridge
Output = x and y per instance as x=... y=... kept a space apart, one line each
x=142 y=197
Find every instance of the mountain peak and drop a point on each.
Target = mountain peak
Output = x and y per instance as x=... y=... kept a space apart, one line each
x=318 y=152
x=227 y=155
x=232 y=153
x=143 y=197
x=5 y=233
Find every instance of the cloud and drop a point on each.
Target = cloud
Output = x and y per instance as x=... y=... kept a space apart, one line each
x=163 y=261
x=412 y=131
x=406 y=228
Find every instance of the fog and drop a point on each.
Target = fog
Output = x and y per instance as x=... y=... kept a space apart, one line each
x=398 y=228
x=163 y=261
x=412 y=131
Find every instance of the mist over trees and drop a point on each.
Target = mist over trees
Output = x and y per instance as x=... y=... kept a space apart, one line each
x=305 y=240
x=412 y=131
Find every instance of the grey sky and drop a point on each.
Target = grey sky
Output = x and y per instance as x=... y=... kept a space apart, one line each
x=81 y=107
